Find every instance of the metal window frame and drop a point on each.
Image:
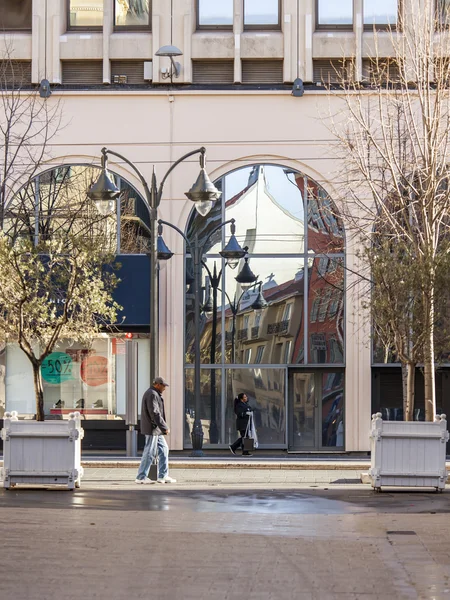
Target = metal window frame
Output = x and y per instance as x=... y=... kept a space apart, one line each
x=70 y=27
x=263 y=26
x=200 y=27
x=144 y=28
x=331 y=27
x=383 y=26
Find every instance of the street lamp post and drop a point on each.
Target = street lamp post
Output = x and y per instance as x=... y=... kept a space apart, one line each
x=232 y=253
x=104 y=193
x=245 y=276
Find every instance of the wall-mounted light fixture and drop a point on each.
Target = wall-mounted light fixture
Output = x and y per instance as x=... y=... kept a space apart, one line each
x=175 y=67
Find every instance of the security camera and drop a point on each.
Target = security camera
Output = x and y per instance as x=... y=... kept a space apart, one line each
x=298 y=88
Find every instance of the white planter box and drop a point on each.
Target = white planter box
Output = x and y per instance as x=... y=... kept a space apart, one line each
x=42 y=452
x=408 y=453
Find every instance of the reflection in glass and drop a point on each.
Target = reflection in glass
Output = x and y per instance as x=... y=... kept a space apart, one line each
x=317 y=406
x=279 y=328
x=15 y=15
x=335 y=13
x=325 y=308
x=213 y=13
x=261 y=12
x=265 y=390
x=210 y=406
x=88 y=13
x=380 y=12
x=132 y=13
x=325 y=228
x=267 y=203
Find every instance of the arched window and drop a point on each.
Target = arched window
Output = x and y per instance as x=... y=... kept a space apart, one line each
x=296 y=243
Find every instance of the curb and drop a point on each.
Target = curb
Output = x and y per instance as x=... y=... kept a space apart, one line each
x=230 y=464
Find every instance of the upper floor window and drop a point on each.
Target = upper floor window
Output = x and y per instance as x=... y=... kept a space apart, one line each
x=380 y=13
x=215 y=15
x=261 y=14
x=15 y=15
x=85 y=14
x=132 y=14
x=443 y=12
x=334 y=15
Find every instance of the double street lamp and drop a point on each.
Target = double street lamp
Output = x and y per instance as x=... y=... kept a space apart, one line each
x=203 y=193
x=104 y=194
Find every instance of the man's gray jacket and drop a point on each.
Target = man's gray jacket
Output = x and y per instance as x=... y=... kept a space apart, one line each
x=153 y=417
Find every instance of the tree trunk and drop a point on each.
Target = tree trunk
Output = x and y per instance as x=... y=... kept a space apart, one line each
x=39 y=392
x=408 y=381
x=429 y=385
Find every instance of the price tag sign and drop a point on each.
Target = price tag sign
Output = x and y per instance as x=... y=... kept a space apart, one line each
x=57 y=368
x=94 y=370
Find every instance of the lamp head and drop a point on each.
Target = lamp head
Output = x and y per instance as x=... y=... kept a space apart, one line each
x=203 y=193
x=104 y=193
x=246 y=275
x=162 y=250
x=233 y=252
x=260 y=303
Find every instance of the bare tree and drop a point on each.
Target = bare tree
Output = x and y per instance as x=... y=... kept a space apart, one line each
x=394 y=134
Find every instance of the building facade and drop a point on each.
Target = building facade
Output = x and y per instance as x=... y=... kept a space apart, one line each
x=306 y=362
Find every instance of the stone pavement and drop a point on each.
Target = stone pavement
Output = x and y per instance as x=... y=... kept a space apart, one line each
x=221 y=534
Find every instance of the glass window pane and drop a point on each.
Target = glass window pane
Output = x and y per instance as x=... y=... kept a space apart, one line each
x=213 y=13
x=265 y=391
x=261 y=12
x=86 y=13
x=267 y=203
x=443 y=8
x=380 y=12
x=210 y=406
x=325 y=307
x=325 y=228
x=281 y=321
x=132 y=13
x=335 y=13
x=15 y=14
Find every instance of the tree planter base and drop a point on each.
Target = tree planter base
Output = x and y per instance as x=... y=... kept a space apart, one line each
x=42 y=452
x=408 y=453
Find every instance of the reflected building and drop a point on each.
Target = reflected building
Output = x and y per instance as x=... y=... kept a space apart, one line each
x=296 y=244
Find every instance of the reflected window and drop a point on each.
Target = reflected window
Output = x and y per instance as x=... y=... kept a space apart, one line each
x=85 y=14
x=132 y=14
x=334 y=15
x=215 y=15
x=443 y=12
x=380 y=13
x=15 y=15
x=261 y=14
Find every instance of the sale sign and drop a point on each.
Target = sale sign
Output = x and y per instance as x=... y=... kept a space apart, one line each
x=94 y=370
x=57 y=368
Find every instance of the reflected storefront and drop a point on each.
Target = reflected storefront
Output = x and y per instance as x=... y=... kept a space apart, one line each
x=89 y=378
x=281 y=357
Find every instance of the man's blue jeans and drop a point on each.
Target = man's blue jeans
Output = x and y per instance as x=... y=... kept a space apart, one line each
x=153 y=444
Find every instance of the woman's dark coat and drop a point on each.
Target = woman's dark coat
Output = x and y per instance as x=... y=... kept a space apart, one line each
x=241 y=408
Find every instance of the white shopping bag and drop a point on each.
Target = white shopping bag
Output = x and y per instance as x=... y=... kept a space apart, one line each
x=251 y=430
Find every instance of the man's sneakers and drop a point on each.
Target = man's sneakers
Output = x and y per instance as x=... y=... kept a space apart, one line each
x=166 y=479
x=143 y=481
x=232 y=450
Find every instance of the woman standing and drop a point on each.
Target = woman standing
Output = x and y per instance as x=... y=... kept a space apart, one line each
x=243 y=411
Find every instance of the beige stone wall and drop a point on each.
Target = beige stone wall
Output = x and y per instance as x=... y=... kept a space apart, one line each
x=154 y=129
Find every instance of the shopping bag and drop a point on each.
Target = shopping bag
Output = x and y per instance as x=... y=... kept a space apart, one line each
x=251 y=431
x=153 y=473
x=249 y=444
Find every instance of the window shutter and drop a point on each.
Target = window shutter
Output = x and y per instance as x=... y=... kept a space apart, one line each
x=381 y=71
x=262 y=71
x=213 y=72
x=86 y=72
x=15 y=73
x=132 y=69
x=332 y=70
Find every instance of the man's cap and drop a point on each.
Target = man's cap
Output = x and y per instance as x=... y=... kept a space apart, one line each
x=161 y=381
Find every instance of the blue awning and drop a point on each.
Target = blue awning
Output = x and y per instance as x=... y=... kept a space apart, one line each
x=133 y=290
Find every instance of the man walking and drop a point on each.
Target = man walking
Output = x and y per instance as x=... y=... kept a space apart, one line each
x=154 y=427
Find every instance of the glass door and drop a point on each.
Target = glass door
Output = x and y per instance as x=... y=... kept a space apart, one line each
x=316 y=409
